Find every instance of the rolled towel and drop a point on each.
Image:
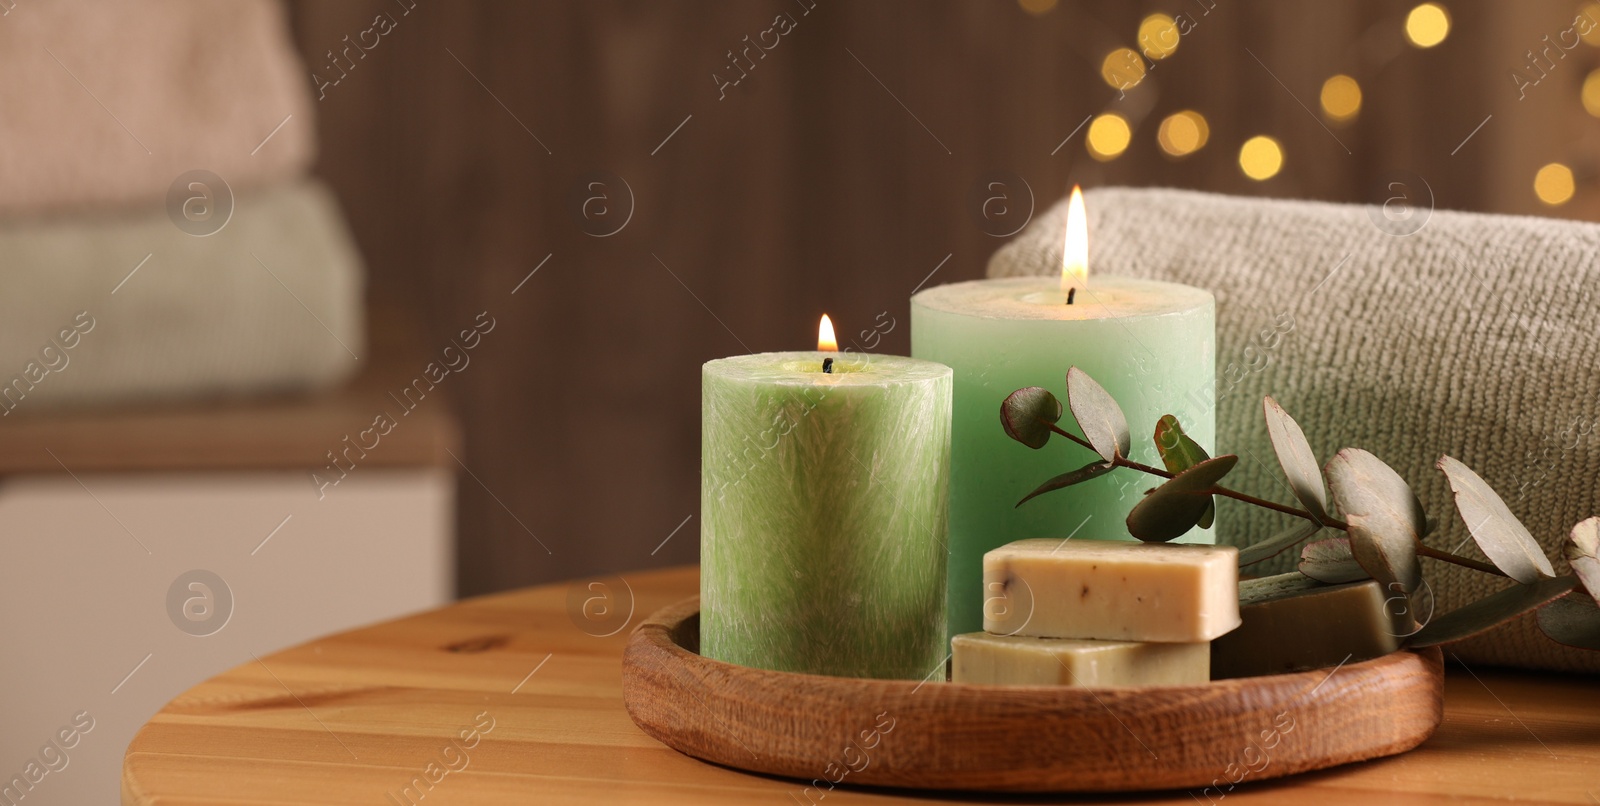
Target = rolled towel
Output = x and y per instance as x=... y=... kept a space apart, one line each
x=109 y=103
x=1473 y=336
x=101 y=309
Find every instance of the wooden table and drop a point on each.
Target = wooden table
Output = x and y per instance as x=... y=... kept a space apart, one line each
x=353 y=718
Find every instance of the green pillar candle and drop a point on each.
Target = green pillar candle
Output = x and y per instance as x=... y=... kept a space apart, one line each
x=824 y=500
x=1151 y=344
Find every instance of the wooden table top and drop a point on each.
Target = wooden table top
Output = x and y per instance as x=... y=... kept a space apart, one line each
x=355 y=717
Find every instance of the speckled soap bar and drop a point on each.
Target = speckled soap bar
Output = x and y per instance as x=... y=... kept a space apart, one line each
x=1017 y=660
x=1111 y=590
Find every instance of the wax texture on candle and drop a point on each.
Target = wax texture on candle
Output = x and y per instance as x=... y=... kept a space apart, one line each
x=1015 y=660
x=1152 y=345
x=1111 y=590
x=1291 y=623
x=824 y=501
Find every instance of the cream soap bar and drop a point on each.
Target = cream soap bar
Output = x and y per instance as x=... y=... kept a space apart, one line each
x=1292 y=623
x=1015 y=660
x=1111 y=590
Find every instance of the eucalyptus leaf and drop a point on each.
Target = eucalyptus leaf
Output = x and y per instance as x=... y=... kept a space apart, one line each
x=1027 y=415
x=1503 y=538
x=1331 y=561
x=1070 y=478
x=1298 y=461
x=1172 y=509
x=1278 y=543
x=1179 y=453
x=1490 y=612
x=1573 y=620
x=1582 y=548
x=1384 y=515
x=1098 y=415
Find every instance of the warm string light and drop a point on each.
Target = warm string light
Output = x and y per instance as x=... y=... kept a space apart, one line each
x=1341 y=98
x=1427 y=25
x=1554 y=184
x=1183 y=133
x=1261 y=157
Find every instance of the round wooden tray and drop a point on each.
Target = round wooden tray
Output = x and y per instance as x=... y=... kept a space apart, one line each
x=938 y=735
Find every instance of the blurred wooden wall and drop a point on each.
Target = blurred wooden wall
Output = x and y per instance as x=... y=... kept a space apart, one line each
x=836 y=176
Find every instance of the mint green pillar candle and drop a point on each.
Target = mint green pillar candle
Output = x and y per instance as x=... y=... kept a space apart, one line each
x=1152 y=345
x=824 y=500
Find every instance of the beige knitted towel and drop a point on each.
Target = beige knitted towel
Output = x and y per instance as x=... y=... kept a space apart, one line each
x=108 y=103
x=110 y=309
x=1475 y=336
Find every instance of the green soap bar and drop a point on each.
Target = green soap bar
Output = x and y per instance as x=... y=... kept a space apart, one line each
x=1015 y=660
x=1292 y=623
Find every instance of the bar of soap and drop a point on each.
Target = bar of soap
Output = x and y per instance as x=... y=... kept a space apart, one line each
x=1292 y=623
x=1111 y=590
x=1018 y=660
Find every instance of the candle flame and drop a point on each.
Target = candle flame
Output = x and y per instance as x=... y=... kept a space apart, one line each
x=825 y=340
x=1075 y=251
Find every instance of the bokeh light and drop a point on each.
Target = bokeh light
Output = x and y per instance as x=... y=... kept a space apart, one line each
x=1037 y=7
x=1261 y=157
x=1122 y=69
x=1591 y=11
x=1591 y=93
x=1553 y=184
x=1183 y=133
x=1427 y=25
x=1341 y=97
x=1158 y=37
x=1108 y=136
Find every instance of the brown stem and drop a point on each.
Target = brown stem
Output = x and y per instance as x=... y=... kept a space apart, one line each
x=1287 y=510
x=1437 y=554
x=1122 y=461
x=1070 y=435
x=1238 y=496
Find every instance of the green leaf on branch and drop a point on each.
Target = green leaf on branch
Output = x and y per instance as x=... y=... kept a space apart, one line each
x=1070 y=478
x=1278 y=543
x=1098 y=415
x=1583 y=554
x=1386 y=519
x=1574 y=620
x=1488 y=613
x=1027 y=415
x=1175 y=507
x=1298 y=461
x=1504 y=540
x=1179 y=453
x=1331 y=561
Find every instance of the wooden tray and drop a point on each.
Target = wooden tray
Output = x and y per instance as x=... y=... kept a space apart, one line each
x=938 y=735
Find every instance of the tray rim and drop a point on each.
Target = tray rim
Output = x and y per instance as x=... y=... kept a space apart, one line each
x=658 y=667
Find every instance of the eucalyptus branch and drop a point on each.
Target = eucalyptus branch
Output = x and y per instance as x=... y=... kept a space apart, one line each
x=1390 y=523
x=1123 y=461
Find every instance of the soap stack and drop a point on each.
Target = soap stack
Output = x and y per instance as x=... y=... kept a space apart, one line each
x=1099 y=613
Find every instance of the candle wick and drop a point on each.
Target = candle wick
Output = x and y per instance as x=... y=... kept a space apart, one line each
x=827 y=366
x=1071 y=292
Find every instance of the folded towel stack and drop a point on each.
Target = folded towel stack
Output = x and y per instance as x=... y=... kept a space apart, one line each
x=154 y=210
x=1462 y=334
